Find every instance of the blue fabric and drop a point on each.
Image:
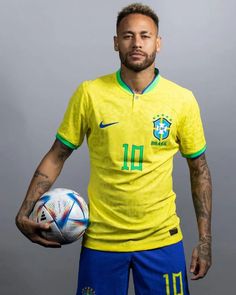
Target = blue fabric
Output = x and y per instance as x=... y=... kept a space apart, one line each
x=155 y=272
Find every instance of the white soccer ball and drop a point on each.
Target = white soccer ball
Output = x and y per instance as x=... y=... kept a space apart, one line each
x=65 y=211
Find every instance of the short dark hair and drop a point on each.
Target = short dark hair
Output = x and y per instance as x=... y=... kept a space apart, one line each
x=140 y=9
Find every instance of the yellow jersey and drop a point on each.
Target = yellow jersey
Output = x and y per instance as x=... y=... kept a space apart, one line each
x=132 y=139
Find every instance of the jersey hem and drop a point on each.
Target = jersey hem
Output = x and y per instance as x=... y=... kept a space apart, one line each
x=195 y=155
x=124 y=247
x=66 y=142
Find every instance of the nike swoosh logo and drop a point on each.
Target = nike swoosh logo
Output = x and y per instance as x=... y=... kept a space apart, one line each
x=106 y=125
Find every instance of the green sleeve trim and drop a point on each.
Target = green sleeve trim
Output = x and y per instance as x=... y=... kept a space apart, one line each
x=195 y=155
x=66 y=142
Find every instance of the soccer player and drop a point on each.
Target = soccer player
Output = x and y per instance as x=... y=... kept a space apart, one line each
x=135 y=121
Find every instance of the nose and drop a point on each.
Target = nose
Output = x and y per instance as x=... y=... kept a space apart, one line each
x=137 y=42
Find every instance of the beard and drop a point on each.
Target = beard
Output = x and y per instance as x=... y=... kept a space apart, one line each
x=137 y=66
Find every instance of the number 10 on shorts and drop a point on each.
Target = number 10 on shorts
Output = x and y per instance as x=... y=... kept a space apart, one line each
x=133 y=157
x=177 y=283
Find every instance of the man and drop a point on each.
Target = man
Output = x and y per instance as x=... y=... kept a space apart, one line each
x=134 y=121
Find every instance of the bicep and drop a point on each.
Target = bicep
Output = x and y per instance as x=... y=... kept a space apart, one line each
x=59 y=152
x=197 y=163
x=199 y=170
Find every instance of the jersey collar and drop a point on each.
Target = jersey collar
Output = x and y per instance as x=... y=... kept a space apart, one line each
x=147 y=89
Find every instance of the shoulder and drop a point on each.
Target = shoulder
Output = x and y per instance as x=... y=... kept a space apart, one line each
x=100 y=83
x=176 y=91
x=180 y=99
x=90 y=91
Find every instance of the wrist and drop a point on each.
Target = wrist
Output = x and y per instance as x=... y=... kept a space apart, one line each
x=206 y=238
x=20 y=218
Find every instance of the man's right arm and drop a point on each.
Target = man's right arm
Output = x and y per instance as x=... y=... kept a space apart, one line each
x=44 y=177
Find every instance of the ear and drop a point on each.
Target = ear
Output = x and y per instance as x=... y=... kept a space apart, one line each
x=116 y=48
x=158 y=43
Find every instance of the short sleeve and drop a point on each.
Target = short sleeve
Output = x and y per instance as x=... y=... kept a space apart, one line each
x=191 y=137
x=74 y=125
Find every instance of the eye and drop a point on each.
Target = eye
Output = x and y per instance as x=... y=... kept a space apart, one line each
x=145 y=36
x=127 y=37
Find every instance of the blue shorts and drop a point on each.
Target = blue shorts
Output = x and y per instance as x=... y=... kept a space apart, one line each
x=160 y=271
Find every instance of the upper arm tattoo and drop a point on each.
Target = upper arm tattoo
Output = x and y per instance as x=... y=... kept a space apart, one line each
x=199 y=168
x=61 y=150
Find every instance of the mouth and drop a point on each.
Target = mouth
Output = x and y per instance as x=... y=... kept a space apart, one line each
x=136 y=54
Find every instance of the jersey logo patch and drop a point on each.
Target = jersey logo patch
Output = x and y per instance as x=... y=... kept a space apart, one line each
x=173 y=231
x=102 y=125
x=161 y=127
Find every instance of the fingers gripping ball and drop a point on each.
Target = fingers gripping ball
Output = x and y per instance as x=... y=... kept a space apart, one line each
x=65 y=211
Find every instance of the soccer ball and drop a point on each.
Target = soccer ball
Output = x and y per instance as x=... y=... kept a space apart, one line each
x=65 y=211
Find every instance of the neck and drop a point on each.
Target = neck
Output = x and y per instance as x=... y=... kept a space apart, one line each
x=138 y=81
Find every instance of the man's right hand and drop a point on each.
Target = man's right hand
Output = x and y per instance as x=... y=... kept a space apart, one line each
x=33 y=231
x=44 y=177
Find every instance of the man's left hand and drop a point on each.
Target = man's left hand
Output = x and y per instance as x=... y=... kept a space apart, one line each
x=201 y=259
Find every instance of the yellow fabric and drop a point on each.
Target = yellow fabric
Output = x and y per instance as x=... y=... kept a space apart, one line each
x=131 y=199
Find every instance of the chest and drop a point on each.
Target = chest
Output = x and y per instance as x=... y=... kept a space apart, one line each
x=136 y=118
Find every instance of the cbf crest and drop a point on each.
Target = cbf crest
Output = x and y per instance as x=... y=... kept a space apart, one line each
x=161 y=127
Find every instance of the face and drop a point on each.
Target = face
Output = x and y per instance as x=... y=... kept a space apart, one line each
x=137 y=42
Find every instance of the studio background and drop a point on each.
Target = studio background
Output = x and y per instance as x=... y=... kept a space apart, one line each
x=47 y=49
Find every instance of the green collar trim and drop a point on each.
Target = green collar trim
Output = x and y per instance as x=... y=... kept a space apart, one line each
x=147 y=89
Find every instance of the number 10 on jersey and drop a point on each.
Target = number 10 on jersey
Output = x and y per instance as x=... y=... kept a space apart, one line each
x=133 y=157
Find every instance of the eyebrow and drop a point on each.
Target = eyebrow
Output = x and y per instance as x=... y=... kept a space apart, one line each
x=131 y=32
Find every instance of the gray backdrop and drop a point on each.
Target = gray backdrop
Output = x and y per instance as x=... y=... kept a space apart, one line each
x=49 y=47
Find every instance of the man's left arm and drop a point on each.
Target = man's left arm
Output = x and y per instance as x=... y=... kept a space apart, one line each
x=201 y=187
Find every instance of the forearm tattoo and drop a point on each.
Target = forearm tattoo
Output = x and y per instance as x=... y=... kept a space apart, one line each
x=42 y=182
x=40 y=188
x=201 y=187
x=27 y=208
x=38 y=173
